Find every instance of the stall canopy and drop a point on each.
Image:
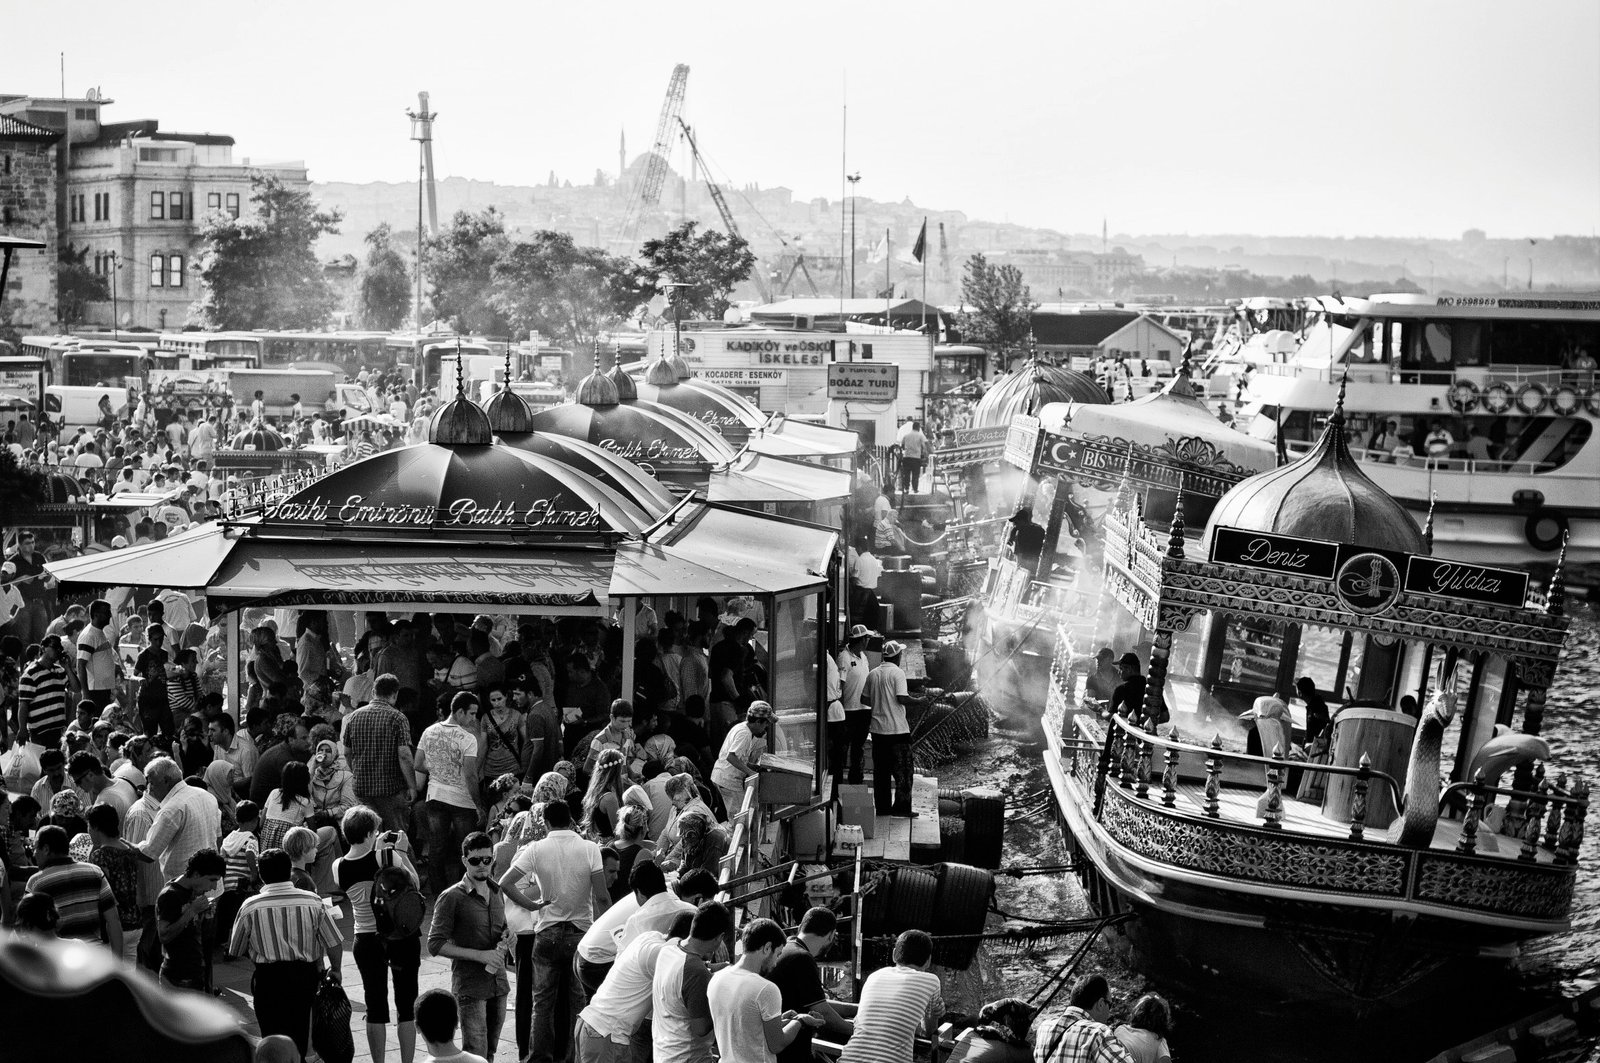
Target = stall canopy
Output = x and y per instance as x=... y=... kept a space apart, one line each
x=721 y=550
x=757 y=477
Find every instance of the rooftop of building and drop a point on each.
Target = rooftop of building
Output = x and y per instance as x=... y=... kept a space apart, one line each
x=14 y=128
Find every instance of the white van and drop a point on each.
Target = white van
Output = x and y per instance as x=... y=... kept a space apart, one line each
x=79 y=407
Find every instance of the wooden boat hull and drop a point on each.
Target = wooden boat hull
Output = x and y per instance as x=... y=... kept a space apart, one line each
x=1273 y=952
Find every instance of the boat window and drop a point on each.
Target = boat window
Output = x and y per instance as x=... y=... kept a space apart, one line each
x=1252 y=648
x=1326 y=656
x=1567 y=344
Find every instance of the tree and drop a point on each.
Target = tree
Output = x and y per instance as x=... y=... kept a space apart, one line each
x=711 y=265
x=1001 y=314
x=77 y=283
x=571 y=293
x=459 y=266
x=261 y=270
x=385 y=282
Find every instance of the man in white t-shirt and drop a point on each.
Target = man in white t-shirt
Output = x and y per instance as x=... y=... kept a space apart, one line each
x=447 y=768
x=887 y=694
x=681 y=1020
x=741 y=750
x=571 y=891
x=746 y=1009
x=617 y=1013
x=853 y=668
x=97 y=656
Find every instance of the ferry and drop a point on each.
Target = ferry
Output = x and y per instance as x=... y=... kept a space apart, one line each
x=1480 y=409
x=1405 y=858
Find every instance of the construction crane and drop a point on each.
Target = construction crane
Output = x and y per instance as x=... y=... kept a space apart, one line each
x=759 y=275
x=656 y=162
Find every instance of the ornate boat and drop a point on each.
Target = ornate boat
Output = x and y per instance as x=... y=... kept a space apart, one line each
x=1395 y=868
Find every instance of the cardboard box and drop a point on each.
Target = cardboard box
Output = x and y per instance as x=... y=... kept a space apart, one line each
x=856 y=806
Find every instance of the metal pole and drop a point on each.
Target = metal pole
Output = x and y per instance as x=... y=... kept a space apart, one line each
x=417 y=317
x=114 y=268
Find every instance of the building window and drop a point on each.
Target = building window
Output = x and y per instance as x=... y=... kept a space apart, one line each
x=233 y=204
x=8 y=164
x=158 y=206
x=5 y=215
x=75 y=208
x=83 y=114
x=174 y=271
x=175 y=206
x=158 y=266
x=213 y=200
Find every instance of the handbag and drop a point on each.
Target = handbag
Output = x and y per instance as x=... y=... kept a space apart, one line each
x=330 y=1022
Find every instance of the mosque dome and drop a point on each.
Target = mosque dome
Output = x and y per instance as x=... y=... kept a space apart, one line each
x=1323 y=495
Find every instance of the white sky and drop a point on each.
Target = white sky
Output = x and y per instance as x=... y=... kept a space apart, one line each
x=1360 y=117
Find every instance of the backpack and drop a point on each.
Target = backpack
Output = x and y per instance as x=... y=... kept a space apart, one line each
x=397 y=903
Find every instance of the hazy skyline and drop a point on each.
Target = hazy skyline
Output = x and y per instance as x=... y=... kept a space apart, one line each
x=1363 y=118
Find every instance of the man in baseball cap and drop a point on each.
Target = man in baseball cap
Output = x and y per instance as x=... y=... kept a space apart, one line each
x=887 y=694
x=741 y=752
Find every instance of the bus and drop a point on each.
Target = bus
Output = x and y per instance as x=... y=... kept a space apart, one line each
x=68 y=362
x=417 y=357
x=344 y=353
x=216 y=350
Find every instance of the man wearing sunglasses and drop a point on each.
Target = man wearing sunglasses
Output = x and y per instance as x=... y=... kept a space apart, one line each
x=469 y=927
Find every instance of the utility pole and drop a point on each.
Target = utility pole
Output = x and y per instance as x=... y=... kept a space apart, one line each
x=854 y=179
x=422 y=133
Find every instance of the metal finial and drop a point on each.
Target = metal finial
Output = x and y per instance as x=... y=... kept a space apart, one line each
x=461 y=377
x=1338 y=406
x=1556 y=594
x=508 y=363
x=1427 y=527
x=1186 y=365
x=1175 y=532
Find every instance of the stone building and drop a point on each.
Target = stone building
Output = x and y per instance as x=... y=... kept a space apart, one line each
x=138 y=196
x=28 y=209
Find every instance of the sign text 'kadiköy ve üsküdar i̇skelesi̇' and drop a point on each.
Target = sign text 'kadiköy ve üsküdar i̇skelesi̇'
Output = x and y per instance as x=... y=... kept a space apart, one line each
x=460 y=512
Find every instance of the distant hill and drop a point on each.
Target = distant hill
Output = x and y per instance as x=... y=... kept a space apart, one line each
x=594 y=212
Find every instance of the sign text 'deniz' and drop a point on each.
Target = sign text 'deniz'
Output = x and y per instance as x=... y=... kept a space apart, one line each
x=1276 y=553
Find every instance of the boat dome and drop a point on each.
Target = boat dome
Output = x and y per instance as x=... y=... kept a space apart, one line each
x=1322 y=495
x=258 y=436
x=626 y=389
x=597 y=389
x=60 y=488
x=460 y=423
x=1028 y=387
x=508 y=412
x=661 y=374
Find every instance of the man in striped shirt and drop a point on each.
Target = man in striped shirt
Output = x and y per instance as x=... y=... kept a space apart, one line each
x=42 y=696
x=86 y=907
x=287 y=934
x=895 y=1002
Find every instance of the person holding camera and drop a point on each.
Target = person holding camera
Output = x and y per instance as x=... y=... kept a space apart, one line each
x=391 y=948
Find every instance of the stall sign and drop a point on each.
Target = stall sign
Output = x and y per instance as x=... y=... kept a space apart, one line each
x=744 y=378
x=1275 y=553
x=783 y=352
x=652 y=450
x=864 y=381
x=1022 y=442
x=545 y=514
x=1470 y=583
x=1108 y=461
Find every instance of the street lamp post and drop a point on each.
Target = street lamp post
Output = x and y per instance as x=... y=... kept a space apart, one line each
x=677 y=313
x=854 y=179
x=116 y=265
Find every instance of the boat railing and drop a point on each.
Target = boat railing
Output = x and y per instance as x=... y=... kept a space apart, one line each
x=1298 y=447
x=1129 y=754
x=1514 y=376
x=1550 y=815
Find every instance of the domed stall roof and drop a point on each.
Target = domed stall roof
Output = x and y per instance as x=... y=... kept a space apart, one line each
x=626 y=391
x=508 y=412
x=257 y=437
x=1323 y=495
x=1158 y=442
x=1030 y=386
x=456 y=490
x=719 y=409
x=618 y=473
x=671 y=445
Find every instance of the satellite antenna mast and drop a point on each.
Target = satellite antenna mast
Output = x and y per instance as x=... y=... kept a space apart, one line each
x=422 y=133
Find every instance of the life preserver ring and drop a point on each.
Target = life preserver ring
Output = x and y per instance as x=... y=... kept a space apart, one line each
x=1463 y=396
x=1545 y=529
x=1566 y=400
x=1591 y=399
x=1497 y=398
x=1532 y=397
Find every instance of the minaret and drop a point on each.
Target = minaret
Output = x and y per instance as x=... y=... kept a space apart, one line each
x=622 y=155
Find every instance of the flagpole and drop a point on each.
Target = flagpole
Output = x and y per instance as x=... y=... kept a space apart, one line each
x=922 y=239
x=888 y=277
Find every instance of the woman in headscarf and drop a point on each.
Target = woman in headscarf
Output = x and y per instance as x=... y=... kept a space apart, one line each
x=266 y=667
x=219 y=776
x=698 y=836
x=529 y=826
x=333 y=788
x=1000 y=1036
